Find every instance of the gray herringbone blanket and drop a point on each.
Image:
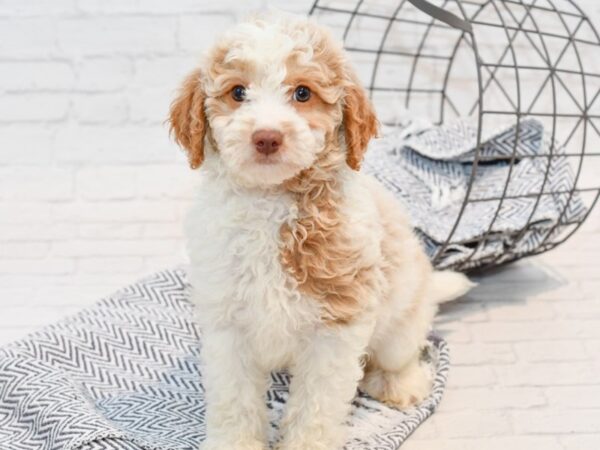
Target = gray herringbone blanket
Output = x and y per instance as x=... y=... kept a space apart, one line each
x=429 y=170
x=125 y=374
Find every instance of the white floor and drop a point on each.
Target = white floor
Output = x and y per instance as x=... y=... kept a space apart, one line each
x=525 y=350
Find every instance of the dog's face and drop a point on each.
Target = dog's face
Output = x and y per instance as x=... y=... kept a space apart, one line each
x=270 y=98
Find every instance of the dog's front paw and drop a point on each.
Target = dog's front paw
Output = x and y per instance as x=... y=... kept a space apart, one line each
x=218 y=444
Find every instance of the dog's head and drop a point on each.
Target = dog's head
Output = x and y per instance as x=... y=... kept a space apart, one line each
x=270 y=98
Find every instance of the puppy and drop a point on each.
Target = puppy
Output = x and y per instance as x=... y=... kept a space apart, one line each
x=298 y=260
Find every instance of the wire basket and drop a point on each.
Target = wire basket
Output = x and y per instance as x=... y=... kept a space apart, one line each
x=512 y=97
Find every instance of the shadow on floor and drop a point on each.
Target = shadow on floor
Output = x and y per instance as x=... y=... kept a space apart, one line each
x=504 y=286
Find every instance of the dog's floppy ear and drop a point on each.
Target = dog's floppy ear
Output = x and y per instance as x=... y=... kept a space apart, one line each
x=360 y=122
x=188 y=119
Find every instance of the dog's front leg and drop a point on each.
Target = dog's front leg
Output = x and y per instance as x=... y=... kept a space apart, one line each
x=325 y=378
x=235 y=388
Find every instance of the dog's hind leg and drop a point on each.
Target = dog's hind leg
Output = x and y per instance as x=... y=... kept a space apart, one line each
x=394 y=374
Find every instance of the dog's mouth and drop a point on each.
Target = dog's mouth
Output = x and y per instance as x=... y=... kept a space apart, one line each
x=267 y=160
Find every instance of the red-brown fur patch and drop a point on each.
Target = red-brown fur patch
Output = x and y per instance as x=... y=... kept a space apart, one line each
x=360 y=124
x=318 y=249
x=188 y=119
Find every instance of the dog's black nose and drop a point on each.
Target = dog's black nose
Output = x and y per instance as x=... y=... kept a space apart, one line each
x=267 y=141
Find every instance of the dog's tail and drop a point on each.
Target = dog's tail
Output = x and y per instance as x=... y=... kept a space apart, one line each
x=447 y=285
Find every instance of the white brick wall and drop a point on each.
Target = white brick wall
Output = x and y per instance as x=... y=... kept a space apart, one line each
x=92 y=193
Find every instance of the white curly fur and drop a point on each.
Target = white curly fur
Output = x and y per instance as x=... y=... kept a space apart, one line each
x=254 y=316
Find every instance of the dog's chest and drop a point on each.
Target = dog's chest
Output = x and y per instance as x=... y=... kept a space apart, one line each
x=238 y=279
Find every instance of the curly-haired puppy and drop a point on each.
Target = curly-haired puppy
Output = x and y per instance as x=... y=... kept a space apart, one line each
x=298 y=260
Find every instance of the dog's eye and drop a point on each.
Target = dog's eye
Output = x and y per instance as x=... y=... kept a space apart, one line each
x=239 y=93
x=302 y=94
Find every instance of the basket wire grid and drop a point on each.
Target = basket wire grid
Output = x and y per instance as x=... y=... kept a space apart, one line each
x=489 y=61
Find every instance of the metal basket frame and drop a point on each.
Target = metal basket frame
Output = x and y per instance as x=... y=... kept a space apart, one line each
x=438 y=16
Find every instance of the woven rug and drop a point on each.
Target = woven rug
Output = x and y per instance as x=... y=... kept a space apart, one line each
x=125 y=374
x=429 y=169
